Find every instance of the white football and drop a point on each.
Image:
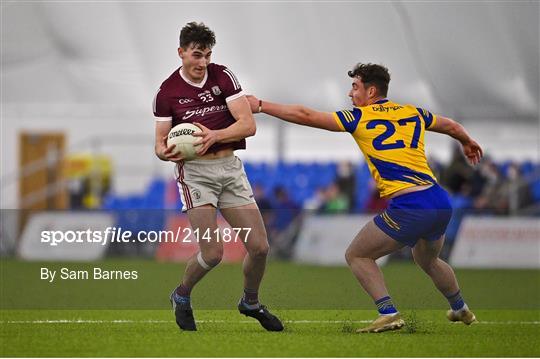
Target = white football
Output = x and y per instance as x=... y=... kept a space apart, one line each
x=182 y=137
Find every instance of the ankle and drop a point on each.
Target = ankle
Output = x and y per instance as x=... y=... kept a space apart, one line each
x=183 y=291
x=250 y=297
x=385 y=306
x=462 y=309
x=456 y=301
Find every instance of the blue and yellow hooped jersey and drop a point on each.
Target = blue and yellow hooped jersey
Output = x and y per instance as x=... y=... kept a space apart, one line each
x=391 y=136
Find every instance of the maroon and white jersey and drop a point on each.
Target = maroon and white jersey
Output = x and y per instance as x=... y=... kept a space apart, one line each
x=181 y=100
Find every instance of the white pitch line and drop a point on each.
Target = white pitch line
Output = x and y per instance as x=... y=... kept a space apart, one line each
x=120 y=321
x=128 y=321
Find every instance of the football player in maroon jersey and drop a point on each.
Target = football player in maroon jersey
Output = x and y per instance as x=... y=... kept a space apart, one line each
x=210 y=96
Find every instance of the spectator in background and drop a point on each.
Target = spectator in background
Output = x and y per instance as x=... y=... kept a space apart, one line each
x=519 y=189
x=265 y=206
x=263 y=202
x=458 y=173
x=509 y=193
x=485 y=182
x=346 y=183
x=316 y=202
x=286 y=223
x=375 y=203
x=436 y=166
x=336 y=202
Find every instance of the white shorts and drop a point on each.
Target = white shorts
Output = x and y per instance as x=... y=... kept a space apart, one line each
x=221 y=182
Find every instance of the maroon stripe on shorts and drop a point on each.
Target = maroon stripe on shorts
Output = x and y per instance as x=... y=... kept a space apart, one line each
x=185 y=189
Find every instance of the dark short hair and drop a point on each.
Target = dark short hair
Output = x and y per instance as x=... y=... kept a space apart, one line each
x=372 y=75
x=197 y=34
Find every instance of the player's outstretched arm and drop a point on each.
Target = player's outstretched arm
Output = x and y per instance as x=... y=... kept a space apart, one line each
x=163 y=152
x=243 y=127
x=295 y=113
x=471 y=148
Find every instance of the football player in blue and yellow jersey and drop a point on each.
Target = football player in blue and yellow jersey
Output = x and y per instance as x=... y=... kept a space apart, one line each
x=391 y=136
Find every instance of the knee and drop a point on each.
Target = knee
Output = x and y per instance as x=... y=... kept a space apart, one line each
x=213 y=257
x=259 y=251
x=350 y=255
x=427 y=265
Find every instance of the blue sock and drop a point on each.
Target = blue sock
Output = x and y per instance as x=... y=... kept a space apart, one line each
x=456 y=301
x=179 y=299
x=385 y=306
x=182 y=294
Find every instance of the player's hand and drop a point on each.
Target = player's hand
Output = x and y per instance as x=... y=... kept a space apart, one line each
x=472 y=151
x=167 y=154
x=207 y=138
x=253 y=103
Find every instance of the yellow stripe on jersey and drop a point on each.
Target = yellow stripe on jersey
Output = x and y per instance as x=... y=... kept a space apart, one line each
x=348 y=116
x=428 y=118
x=418 y=180
x=347 y=119
x=391 y=136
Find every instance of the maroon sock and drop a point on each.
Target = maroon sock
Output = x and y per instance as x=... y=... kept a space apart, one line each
x=183 y=291
x=251 y=296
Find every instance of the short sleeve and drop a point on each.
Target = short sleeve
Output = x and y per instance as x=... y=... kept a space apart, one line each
x=348 y=120
x=429 y=118
x=230 y=86
x=161 y=107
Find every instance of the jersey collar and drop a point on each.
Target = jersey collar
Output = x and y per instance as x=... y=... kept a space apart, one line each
x=384 y=100
x=196 y=84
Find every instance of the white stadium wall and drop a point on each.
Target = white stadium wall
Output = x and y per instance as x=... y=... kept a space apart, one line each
x=482 y=242
x=495 y=242
x=323 y=240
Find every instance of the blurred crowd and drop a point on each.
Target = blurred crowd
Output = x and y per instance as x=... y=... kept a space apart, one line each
x=501 y=189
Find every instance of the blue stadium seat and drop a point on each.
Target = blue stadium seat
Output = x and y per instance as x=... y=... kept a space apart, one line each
x=535 y=189
x=503 y=168
x=527 y=168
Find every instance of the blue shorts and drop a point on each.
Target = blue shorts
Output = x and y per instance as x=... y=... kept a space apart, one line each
x=416 y=215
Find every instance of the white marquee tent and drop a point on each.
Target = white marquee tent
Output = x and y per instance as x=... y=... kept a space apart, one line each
x=91 y=69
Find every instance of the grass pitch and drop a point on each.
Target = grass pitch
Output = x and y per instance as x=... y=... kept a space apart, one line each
x=321 y=308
